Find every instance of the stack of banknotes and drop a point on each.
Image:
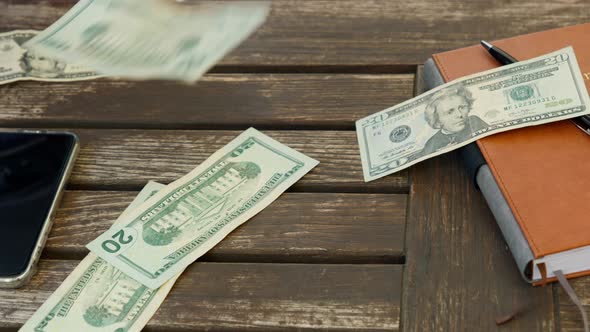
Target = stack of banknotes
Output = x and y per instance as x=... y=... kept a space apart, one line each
x=134 y=264
x=132 y=39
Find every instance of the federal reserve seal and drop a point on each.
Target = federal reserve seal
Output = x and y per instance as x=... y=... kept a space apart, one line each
x=399 y=134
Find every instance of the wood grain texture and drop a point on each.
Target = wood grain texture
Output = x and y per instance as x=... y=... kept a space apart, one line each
x=216 y=101
x=297 y=227
x=459 y=273
x=570 y=318
x=128 y=159
x=253 y=297
x=358 y=33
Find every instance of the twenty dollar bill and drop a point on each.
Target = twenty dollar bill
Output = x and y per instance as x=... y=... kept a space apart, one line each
x=142 y=39
x=544 y=89
x=191 y=215
x=98 y=297
x=17 y=63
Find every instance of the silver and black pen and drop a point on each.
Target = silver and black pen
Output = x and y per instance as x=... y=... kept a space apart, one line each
x=582 y=122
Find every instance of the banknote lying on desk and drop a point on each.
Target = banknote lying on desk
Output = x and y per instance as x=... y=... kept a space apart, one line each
x=96 y=296
x=190 y=216
x=17 y=63
x=541 y=90
x=145 y=39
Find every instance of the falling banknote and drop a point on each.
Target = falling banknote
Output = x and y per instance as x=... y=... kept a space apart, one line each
x=183 y=221
x=143 y=39
x=544 y=89
x=98 y=297
x=16 y=63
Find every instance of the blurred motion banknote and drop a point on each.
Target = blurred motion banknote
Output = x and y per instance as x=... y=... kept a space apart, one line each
x=16 y=63
x=144 y=39
x=544 y=89
x=98 y=297
x=190 y=216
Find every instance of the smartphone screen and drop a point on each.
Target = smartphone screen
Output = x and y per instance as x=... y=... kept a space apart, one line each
x=32 y=166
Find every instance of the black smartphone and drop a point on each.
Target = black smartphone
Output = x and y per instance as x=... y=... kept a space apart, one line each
x=34 y=167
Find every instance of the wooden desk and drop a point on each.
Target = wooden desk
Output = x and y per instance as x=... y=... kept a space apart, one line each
x=414 y=251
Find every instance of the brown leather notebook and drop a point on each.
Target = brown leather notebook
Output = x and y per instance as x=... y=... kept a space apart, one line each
x=543 y=171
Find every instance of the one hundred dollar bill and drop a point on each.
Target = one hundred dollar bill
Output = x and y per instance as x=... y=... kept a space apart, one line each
x=98 y=297
x=544 y=89
x=143 y=39
x=191 y=215
x=17 y=63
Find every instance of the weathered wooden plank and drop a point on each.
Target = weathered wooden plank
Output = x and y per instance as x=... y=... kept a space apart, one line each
x=459 y=274
x=570 y=319
x=297 y=227
x=216 y=101
x=358 y=33
x=256 y=297
x=127 y=159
